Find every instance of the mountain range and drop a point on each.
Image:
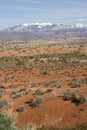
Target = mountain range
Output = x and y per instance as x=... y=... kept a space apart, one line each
x=43 y=31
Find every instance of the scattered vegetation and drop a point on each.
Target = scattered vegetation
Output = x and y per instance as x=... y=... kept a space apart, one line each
x=73 y=97
x=7 y=122
x=19 y=93
x=19 y=70
x=78 y=127
x=53 y=60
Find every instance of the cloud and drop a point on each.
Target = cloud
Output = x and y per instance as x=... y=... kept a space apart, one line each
x=81 y=20
x=27 y=1
x=21 y=8
x=12 y=8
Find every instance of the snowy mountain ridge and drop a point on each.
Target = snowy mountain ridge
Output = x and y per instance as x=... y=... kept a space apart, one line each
x=26 y=27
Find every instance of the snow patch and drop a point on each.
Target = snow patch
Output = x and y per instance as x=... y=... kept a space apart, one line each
x=79 y=25
x=25 y=24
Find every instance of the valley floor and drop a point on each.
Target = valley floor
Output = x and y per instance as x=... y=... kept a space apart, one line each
x=44 y=82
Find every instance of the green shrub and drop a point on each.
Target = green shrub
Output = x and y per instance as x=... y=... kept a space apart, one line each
x=78 y=127
x=3 y=103
x=47 y=128
x=7 y=122
x=29 y=127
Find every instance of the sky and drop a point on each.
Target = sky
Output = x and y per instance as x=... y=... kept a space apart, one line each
x=16 y=12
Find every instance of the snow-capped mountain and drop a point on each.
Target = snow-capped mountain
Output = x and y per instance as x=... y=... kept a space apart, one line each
x=41 y=27
x=79 y=25
x=45 y=30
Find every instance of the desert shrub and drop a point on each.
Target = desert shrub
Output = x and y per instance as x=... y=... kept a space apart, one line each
x=33 y=85
x=73 y=97
x=22 y=89
x=43 y=73
x=46 y=83
x=2 y=86
x=74 y=83
x=11 y=86
x=59 y=86
x=3 y=103
x=67 y=95
x=20 y=109
x=7 y=122
x=19 y=93
x=39 y=92
x=30 y=100
x=84 y=81
x=29 y=127
x=38 y=100
x=49 y=90
x=2 y=91
x=35 y=102
x=81 y=99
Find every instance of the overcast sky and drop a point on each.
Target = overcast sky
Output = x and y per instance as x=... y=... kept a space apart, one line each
x=14 y=12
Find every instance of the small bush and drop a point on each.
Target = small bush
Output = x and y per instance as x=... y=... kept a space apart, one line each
x=29 y=127
x=11 y=86
x=30 y=100
x=84 y=81
x=35 y=102
x=22 y=89
x=39 y=92
x=3 y=103
x=81 y=99
x=73 y=97
x=20 y=109
x=17 y=95
x=74 y=83
x=33 y=85
x=2 y=86
x=43 y=73
x=59 y=86
x=49 y=90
